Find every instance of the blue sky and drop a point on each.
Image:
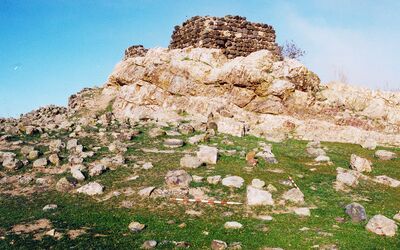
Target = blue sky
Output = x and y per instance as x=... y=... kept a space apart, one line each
x=50 y=49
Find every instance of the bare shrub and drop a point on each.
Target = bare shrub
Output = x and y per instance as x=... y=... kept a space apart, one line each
x=291 y=50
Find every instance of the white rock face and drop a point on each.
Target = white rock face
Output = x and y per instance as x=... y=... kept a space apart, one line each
x=360 y=164
x=257 y=197
x=207 y=154
x=294 y=195
x=233 y=181
x=232 y=225
x=382 y=225
x=92 y=188
x=385 y=155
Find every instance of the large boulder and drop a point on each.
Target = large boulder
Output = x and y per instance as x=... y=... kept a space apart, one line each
x=360 y=164
x=207 y=154
x=356 y=212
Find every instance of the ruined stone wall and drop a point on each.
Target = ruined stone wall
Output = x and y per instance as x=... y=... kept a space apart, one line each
x=233 y=34
x=135 y=50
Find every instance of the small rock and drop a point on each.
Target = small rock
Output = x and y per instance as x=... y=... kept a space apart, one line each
x=156 y=132
x=323 y=158
x=197 y=178
x=197 y=139
x=64 y=185
x=178 y=178
x=271 y=188
x=382 y=225
x=33 y=155
x=147 y=165
x=386 y=180
x=214 y=179
x=185 y=129
x=232 y=225
x=233 y=181
x=189 y=161
x=173 y=143
x=72 y=144
x=49 y=207
x=369 y=144
x=265 y=217
x=397 y=217
x=97 y=169
x=208 y=154
x=347 y=177
x=136 y=227
x=42 y=162
x=360 y=164
x=54 y=159
x=146 y=192
x=149 y=244
x=302 y=211
x=385 y=155
x=356 y=212
x=218 y=245
x=92 y=188
x=256 y=197
x=294 y=195
x=257 y=183
x=77 y=174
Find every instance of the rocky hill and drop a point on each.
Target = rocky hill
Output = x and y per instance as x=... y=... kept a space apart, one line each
x=217 y=144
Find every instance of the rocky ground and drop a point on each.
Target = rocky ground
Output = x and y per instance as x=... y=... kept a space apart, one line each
x=112 y=184
x=187 y=149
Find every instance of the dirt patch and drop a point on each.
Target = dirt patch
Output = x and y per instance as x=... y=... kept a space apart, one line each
x=75 y=233
x=36 y=226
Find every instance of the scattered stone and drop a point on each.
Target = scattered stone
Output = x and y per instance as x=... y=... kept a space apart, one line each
x=136 y=227
x=382 y=225
x=369 y=144
x=386 y=180
x=146 y=192
x=33 y=155
x=294 y=195
x=197 y=139
x=356 y=212
x=92 y=188
x=147 y=165
x=385 y=155
x=77 y=174
x=65 y=185
x=178 y=178
x=185 y=129
x=323 y=158
x=189 y=161
x=25 y=150
x=360 y=164
x=347 y=177
x=207 y=154
x=235 y=246
x=257 y=183
x=214 y=179
x=54 y=159
x=233 y=181
x=250 y=159
x=257 y=197
x=267 y=155
x=271 y=188
x=49 y=207
x=218 y=245
x=265 y=217
x=97 y=169
x=232 y=225
x=72 y=144
x=314 y=149
x=42 y=162
x=302 y=211
x=397 y=217
x=149 y=244
x=173 y=143
x=197 y=178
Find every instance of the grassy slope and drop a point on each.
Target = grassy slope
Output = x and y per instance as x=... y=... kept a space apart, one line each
x=107 y=221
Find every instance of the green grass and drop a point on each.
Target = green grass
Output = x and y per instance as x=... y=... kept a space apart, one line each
x=110 y=220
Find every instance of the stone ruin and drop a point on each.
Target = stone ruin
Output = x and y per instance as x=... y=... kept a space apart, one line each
x=134 y=51
x=233 y=34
